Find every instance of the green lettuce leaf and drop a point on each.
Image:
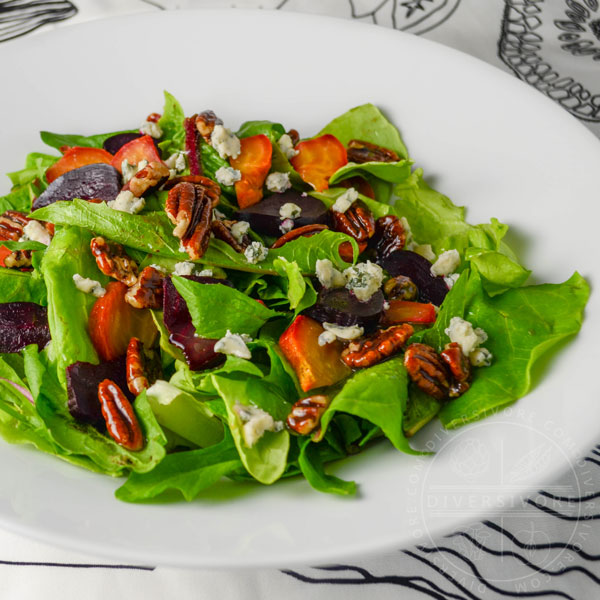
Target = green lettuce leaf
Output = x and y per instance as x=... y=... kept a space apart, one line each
x=366 y=123
x=272 y=130
x=171 y=123
x=394 y=172
x=522 y=325
x=185 y=472
x=20 y=286
x=211 y=163
x=36 y=164
x=300 y=291
x=56 y=140
x=20 y=198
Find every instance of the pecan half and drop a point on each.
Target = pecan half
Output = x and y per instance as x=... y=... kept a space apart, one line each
x=153 y=117
x=211 y=188
x=18 y=259
x=189 y=207
x=378 y=346
x=222 y=231
x=294 y=136
x=12 y=223
x=306 y=413
x=400 y=288
x=389 y=235
x=362 y=152
x=460 y=368
x=205 y=123
x=427 y=370
x=357 y=222
x=113 y=261
x=294 y=234
x=121 y=422
x=141 y=367
x=147 y=291
x=148 y=179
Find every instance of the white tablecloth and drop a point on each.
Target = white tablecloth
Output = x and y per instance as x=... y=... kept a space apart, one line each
x=548 y=547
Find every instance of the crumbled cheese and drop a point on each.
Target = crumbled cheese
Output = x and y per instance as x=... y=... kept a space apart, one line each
x=286 y=225
x=289 y=210
x=286 y=146
x=327 y=337
x=127 y=202
x=35 y=232
x=176 y=161
x=88 y=286
x=234 y=344
x=225 y=142
x=446 y=263
x=152 y=129
x=218 y=215
x=386 y=305
x=256 y=253
x=206 y=273
x=345 y=201
x=256 y=423
x=328 y=275
x=128 y=170
x=184 y=268
x=159 y=268
x=425 y=251
x=462 y=332
x=344 y=333
x=451 y=280
x=364 y=279
x=278 y=182
x=228 y=175
x=239 y=229
x=480 y=357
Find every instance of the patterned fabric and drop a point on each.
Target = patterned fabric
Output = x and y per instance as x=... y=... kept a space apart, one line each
x=545 y=547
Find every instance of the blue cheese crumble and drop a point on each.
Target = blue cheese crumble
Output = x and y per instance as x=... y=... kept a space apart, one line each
x=364 y=279
x=278 y=182
x=328 y=275
x=235 y=345
x=286 y=146
x=446 y=263
x=228 y=176
x=225 y=142
x=152 y=129
x=36 y=232
x=239 y=229
x=256 y=253
x=344 y=333
x=127 y=202
x=345 y=200
x=88 y=286
x=289 y=210
x=256 y=423
x=469 y=339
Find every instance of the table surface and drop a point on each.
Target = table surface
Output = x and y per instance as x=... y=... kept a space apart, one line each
x=547 y=546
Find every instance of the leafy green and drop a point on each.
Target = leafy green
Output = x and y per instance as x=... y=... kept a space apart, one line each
x=272 y=130
x=281 y=164
x=420 y=409
x=378 y=394
x=68 y=308
x=211 y=163
x=394 y=172
x=56 y=140
x=378 y=209
x=498 y=270
x=366 y=123
x=171 y=123
x=311 y=466
x=20 y=198
x=36 y=164
x=522 y=324
x=239 y=313
x=19 y=286
x=187 y=472
x=300 y=292
x=267 y=459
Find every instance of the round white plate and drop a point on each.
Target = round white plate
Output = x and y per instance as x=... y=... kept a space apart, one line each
x=483 y=138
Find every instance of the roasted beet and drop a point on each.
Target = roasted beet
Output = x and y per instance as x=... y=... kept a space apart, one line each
x=114 y=142
x=404 y=262
x=264 y=217
x=92 y=181
x=21 y=324
x=82 y=387
x=199 y=352
x=340 y=306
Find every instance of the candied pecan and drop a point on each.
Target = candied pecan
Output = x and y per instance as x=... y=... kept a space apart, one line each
x=210 y=187
x=306 y=414
x=153 y=117
x=189 y=207
x=147 y=291
x=18 y=259
x=148 y=179
x=121 y=422
x=222 y=231
x=382 y=344
x=205 y=123
x=357 y=222
x=460 y=368
x=294 y=136
x=142 y=368
x=305 y=231
x=362 y=152
x=389 y=235
x=427 y=370
x=12 y=223
x=113 y=261
x=400 y=288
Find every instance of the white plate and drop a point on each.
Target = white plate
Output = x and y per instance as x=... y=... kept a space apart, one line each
x=485 y=139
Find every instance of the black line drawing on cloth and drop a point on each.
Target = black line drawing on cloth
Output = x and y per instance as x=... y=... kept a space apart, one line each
x=18 y=17
x=532 y=35
x=18 y=563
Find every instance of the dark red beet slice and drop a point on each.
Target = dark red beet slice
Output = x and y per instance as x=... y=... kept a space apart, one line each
x=21 y=324
x=113 y=143
x=192 y=145
x=89 y=182
x=83 y=379
x=264 y=217
x=199 y=352
x=340 y=306
x=404 y=262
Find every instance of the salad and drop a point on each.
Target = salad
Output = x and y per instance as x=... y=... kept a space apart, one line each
x=181 y=303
